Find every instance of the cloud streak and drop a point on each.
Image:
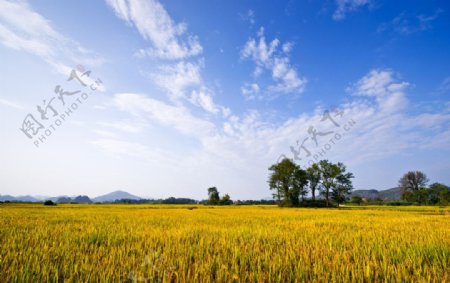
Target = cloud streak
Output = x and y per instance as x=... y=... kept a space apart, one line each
x=407 y=24
x=23 y=29
x=346 y=6
x=169 y=39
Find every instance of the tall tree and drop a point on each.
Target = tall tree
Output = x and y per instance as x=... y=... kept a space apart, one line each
x=213 y=196
x=299 y=185
x=343 y=185
x=335 y=179
x=412 y=186
x=289 y=182
x=313 y=174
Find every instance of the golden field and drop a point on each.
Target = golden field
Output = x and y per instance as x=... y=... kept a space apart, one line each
x=156 y=243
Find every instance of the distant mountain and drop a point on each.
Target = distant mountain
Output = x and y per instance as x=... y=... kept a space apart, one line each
x=7 y=198
x=18 y=198
x=392 y=194
x=368 y=194
x=62 y=199
x=117 y=195
x=82 y=199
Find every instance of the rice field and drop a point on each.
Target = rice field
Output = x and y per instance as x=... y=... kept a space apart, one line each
x=156 y=243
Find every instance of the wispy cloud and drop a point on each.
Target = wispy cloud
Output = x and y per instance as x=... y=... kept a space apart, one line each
x=444 y=87
x=181 y=78
x=23 y=29
x=176 y=116
x=274 y=57
x=346 y=6
x=11 y=104
x=251 y=91
x=178 y=78
x=169 y=39
x=203 y=98
x=119 y=148
x=124 y=126
x=249 y=17
x=407 y=24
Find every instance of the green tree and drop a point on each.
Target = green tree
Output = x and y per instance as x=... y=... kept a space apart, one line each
x=288 y=181
x=300 y=185
x=313 y=175
x=413 y=186
x=335 y=180
x=213 y=196
x=226 y=200
x=49 y=202
x=343 y=185
x=438 y=194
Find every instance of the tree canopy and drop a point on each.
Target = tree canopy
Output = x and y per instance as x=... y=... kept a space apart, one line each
x=291 y=183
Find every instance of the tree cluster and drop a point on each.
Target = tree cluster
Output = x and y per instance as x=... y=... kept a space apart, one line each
x=413 y=186
x=292 y=184
x=214 y=197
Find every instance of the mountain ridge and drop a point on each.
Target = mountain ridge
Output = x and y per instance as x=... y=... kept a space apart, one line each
x=392 y=194
x=115 y=195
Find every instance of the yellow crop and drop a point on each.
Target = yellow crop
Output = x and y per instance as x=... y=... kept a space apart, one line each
x=156 y=243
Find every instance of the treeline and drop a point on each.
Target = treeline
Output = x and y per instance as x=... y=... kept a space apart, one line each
x=170 y=200
x=292 y=184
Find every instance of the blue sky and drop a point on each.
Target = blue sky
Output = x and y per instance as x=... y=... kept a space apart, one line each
x=196 y=94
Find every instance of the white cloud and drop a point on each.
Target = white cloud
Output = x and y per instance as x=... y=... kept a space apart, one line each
x=287 y=78
x=168 y=38
x=287 y=47
x=346 y=6
x=382 y=85
x=268 y=56
x=10 y=104
x=250 y=90
x=176 y=78
x=23 y=29
x=183 y=82
x=203 y=98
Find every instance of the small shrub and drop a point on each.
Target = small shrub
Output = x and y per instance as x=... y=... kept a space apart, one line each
x=49 y=202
